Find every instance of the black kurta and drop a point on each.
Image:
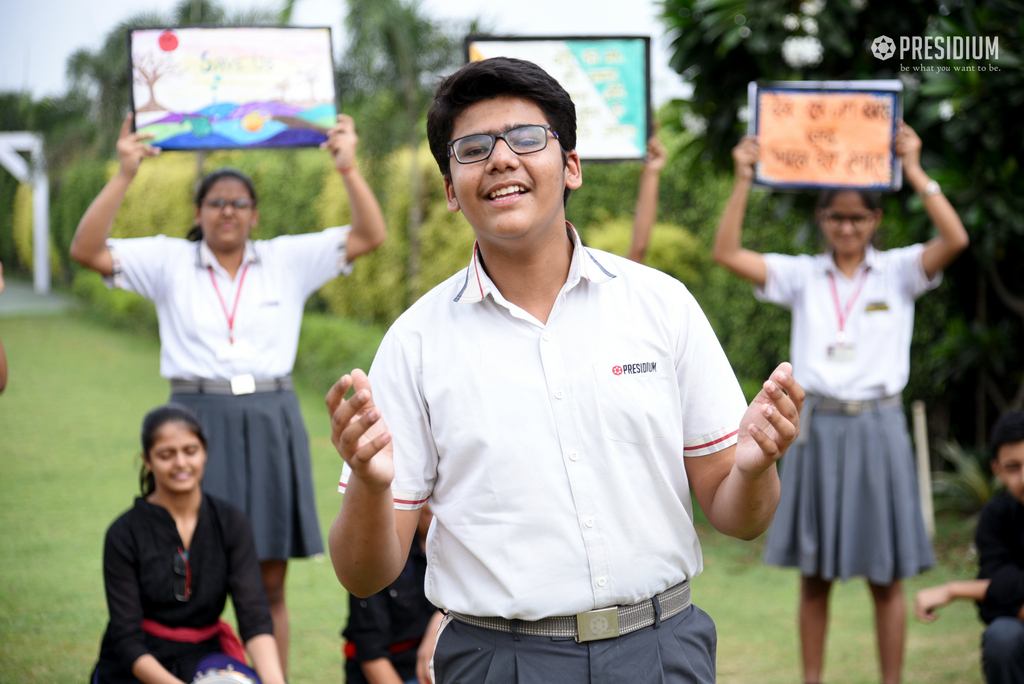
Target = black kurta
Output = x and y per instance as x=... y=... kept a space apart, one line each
x=138 y=572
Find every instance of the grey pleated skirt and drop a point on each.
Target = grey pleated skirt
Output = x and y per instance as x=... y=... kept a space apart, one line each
x=849 y=504
x=258 y=459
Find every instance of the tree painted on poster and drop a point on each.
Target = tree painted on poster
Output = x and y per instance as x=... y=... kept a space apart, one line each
x=148 y=70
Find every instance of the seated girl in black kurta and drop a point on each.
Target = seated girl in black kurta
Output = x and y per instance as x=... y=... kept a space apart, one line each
x=169 y=564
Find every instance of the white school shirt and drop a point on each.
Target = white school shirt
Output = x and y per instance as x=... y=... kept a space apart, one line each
x=879 y=325
x=178 y=276
x=552 y=455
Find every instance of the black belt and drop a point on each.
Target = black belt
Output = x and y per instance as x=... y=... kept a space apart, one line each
x=592 y=625
x=238 y=385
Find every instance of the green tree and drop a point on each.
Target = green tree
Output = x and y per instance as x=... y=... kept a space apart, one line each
x=967 y=340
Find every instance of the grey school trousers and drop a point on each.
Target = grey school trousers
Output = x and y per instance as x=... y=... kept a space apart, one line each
x=680 y=650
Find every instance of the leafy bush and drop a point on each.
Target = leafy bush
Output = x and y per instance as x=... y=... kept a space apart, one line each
x=8 y=254
x=70 y=195
x=969 y=486
x=24 y=242
x=672 y=249
x=159 y=200
x=379 y=289
x=330 y=346
x=121 y=309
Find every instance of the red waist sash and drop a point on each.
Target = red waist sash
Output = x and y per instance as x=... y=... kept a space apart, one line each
x=393 y=649
x=229 y=642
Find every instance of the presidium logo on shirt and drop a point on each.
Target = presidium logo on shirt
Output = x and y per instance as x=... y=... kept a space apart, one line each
x=635 y=368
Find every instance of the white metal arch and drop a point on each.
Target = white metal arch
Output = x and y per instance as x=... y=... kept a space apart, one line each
x=10 y=145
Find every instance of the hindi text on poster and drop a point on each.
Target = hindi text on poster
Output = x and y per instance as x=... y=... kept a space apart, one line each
x=814 y=138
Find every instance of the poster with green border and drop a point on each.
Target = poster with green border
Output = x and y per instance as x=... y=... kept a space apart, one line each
x=608 y=78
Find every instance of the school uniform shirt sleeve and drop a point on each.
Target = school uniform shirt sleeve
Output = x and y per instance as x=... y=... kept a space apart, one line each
x=711 y=400
x=785 y=279
x=396 y=381
x=245 y=583
x=140 y=264
x=1000 y=542
x=313 y=258
x=908 y=265
x=124 y=601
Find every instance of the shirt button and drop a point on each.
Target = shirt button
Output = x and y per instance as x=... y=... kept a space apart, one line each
x=547 y=336
x=573 y=456
x=589 y=522
x=601 y=581
x=559 y=394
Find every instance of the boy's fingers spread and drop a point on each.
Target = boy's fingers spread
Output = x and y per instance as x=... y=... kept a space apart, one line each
x=337 y=392
x=767 y=444
x=366 y=452
x=783 y=426
x=352 y=432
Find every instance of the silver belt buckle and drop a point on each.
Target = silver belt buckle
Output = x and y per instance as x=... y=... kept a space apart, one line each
x=243 y=384
x=853 y=408
x=597 y=624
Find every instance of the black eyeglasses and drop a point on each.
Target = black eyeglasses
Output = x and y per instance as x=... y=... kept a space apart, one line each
x=183 y=582
x=521 y=140
x=240 y=204
x=858 y=220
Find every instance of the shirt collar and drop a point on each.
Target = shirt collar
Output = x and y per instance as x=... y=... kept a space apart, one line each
x=871 y=260
x=583 y=266
x=205 y=257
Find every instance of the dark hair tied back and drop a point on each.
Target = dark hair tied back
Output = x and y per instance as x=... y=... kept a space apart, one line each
x=872 y=199
x=196 y=233
x=151 y=424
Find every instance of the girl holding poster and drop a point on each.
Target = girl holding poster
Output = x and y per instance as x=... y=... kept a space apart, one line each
x=849 y=505
x=229 y=310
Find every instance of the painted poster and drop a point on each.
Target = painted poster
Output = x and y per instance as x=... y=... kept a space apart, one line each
x=837 y=134
x=608 y=78
x=216 y=88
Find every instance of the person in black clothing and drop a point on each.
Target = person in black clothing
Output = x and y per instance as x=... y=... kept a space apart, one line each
x=169 y=564
x=999 y=589
x=390 y=635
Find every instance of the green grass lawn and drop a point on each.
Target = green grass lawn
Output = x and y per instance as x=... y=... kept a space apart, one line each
x=69 y=424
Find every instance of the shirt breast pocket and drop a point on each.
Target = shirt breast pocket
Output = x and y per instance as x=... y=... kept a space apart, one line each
x=638 y=402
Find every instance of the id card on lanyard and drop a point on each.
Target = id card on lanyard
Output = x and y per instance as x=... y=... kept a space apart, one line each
x=232 y=349
x=843 y=351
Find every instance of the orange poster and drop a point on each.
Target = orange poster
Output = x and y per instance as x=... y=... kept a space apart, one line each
x=826 y=138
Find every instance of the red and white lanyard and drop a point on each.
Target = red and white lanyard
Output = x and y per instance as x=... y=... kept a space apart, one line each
x=843 y=313
x=223 y=306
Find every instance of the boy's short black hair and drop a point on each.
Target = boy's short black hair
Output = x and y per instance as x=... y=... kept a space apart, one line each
x=1009 y=429
x=490 y=78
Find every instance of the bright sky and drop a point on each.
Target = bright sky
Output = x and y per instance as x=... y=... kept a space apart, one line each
x=37 y=36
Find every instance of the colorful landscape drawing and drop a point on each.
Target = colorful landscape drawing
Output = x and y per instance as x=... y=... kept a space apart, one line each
x=216 y=88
